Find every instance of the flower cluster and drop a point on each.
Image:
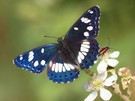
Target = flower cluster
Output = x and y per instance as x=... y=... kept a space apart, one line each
x=107 y=78
x=126 y=77
x=98 y=83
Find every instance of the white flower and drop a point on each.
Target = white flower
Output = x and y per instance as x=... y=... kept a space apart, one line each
x=108 y=59
x=99 y=83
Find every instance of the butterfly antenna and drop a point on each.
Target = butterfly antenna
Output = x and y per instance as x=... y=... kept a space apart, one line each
x=62 y=36
x=50 y=36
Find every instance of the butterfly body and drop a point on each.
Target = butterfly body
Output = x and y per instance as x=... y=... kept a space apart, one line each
x=65 y=51
x=77 y=50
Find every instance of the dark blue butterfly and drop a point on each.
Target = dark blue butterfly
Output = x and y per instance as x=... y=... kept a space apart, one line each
x=77 y=49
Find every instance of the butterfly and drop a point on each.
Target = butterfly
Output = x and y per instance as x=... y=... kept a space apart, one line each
x=78 y=49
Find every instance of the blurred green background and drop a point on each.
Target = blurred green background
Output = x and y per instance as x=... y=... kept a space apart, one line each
x=23 y=23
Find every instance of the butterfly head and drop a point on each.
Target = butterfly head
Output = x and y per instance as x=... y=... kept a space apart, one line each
x=62 y=44
x=60 y=39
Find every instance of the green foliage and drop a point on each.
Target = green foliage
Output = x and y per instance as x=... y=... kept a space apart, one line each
x=23 y=23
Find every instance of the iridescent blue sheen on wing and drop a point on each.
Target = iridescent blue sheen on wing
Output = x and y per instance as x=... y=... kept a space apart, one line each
x=36 y=59
x=60 y=71
x=87 y=26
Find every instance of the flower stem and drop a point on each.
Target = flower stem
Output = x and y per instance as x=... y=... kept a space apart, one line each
x=118 y=92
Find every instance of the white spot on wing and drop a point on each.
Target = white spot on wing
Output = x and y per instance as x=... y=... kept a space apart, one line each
x=42 y=62
x=50 y=64
x=79 y=59
x=84 y=49
x=21 y=57
x=95 y=62
x=75 y=28
x=60 y=67
x=36 y=63
x=90 y=28
x=84 y=53
x=53 y=67
x=31 y=56
x=67 y=67
x=85 y=46
x=42 y=50
x=68 y=81
x=86 y=34
x=81 y=55
x=86 y=42
x=91 y=12
x=64 y=69
x=31 y=53
x=56 y=68
x=85 y=20
x=71 y=66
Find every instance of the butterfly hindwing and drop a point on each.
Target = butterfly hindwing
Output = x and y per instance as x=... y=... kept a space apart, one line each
x=86 y=52
x=36 y=59
x=60 y=71
x=87 y=26
x=91 y=56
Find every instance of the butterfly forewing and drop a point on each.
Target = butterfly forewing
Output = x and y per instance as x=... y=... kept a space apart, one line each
x=87 y=26
x=36 y=59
